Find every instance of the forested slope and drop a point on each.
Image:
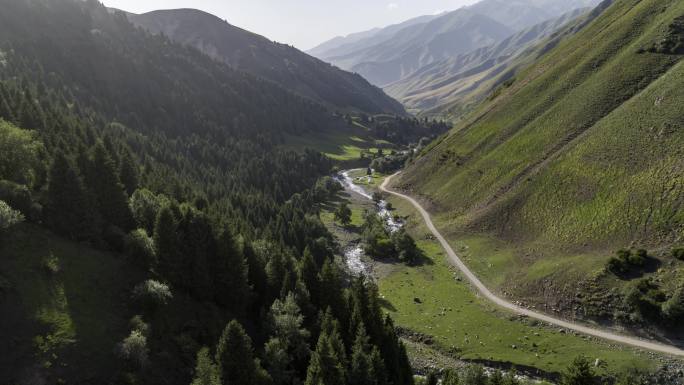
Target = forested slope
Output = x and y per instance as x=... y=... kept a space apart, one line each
x=280 y=63
x=159 y=206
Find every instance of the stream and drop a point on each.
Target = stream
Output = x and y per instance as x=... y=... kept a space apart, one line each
x=353 y=254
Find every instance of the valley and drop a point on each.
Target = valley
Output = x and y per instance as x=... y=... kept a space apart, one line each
x=458 y=322
x=484 y=195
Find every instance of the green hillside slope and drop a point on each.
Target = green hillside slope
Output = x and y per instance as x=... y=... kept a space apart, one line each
x=579 y=157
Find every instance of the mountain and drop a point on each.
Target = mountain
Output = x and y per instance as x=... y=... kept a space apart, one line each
x=463 y=81
x=579 y=156
x=388 y=55
x=280 y=63
x=417 y=45
x=340 y=46
x=522 y=14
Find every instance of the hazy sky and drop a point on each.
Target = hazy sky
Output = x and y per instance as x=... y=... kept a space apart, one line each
x=302 y=23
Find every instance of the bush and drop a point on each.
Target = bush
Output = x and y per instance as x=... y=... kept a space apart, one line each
x=134 y=349
x=8 y=216
x=626 y=260
x=678 y=253
x=152 y=294
x=579 y=372
x=140 y=249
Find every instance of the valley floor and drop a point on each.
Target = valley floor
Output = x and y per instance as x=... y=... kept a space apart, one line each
x=439 y=311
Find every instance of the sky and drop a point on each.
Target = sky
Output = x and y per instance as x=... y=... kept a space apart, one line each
x=302 y=23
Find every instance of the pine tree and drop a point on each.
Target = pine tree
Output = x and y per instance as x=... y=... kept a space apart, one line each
x=206 y=372
x=331 y=327
x=129 y=173
x=361 y=371
x=69 y=208
x=288 y=349
x=379 y=369
x=235 y=357
x=231 y=286
x=108 y=190
x=325 y=367
x=395 y=357
x=167 y=244
x=330 y=289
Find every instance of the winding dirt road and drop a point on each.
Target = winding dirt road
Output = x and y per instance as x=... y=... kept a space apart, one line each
x=654 y=346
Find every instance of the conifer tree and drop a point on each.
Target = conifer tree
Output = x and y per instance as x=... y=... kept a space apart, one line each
x=129 y=173
x=325 y=367
x=288 y=348
x=69 y=208
x=361 y=371
x=206 y=372
x=235 y=357
x=167 y=244
x=231 y=285
x=395 y=357
x=108 y=190
x=330 y=289
x=331 y=327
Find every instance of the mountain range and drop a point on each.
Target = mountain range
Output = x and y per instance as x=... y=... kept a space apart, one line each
x=385 y=56
x=450 y=87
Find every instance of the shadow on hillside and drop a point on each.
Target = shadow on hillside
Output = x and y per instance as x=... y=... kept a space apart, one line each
x=387 y=305
x=651 y=265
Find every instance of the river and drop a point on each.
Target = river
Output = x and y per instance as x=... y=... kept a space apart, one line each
x=353 y=255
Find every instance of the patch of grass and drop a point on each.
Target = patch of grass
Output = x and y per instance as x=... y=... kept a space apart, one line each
x=339 y=146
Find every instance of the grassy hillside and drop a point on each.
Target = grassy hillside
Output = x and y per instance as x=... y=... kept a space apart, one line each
x=580 y=156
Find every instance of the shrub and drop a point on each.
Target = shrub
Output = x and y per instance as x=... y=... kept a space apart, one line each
x=678 y=253
x=626 y=260
x=8 y=216
x=134 y=349
x=638 y=258
x=140 y=248
x=617 y=266
x=152 y=294
x=579 y=372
